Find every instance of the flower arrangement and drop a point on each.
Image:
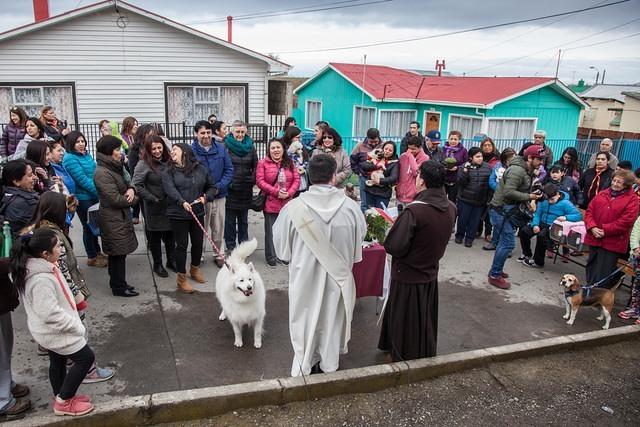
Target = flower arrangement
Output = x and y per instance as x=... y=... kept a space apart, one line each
x=377 y=226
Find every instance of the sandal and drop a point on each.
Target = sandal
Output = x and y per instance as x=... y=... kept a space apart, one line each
x=629 y=314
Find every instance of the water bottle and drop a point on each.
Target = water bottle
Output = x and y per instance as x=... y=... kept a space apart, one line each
x=282 y=180
x=7 y=241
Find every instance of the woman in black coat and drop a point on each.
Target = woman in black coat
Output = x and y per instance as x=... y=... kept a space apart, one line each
x=473 y=195
x=595 y=179
x=244 y=160
x=189 y=187
x=19 y=201
x=147 y=179
x=385 y=174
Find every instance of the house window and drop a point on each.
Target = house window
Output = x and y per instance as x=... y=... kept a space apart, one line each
x=313 y=114
x=32 y=98
x=617 y=118
x=364 y=118
x=468 y=125
x=190 y=104
x=395 y=123
x=511 y=128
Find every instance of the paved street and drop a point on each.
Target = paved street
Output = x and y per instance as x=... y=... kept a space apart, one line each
x=164 y=340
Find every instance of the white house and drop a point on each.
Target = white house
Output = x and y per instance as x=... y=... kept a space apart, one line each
x=112 y=59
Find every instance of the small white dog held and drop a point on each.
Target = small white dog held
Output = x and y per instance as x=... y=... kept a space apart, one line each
x=240 y=291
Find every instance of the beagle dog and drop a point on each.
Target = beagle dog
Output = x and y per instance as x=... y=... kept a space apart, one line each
x=575 y=296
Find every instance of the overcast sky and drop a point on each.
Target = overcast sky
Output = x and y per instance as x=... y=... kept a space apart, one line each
x=520 y=50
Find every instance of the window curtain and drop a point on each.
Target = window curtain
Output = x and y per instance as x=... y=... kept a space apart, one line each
x=394 y=124
x=365 y=118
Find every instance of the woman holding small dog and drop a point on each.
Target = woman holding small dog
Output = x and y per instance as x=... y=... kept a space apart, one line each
x=384 y=175
x=332 y=145
x=278 y=178
x=609 y=220
x=189 y=187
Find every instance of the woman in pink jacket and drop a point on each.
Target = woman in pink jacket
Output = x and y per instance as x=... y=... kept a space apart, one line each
x=409 y=164
x=278 y=178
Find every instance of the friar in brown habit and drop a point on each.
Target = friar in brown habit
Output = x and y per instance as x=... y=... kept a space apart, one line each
x=416 y=242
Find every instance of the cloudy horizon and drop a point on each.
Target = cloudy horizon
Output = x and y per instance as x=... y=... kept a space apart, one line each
x=521 y=50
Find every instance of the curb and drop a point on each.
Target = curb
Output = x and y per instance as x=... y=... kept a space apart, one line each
x=207 y=402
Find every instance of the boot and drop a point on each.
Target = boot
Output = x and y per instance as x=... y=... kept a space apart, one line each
x=183 y=284
x=196 y=274
x=159 y=270
x=171 y=263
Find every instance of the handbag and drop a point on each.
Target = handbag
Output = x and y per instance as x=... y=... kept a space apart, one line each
x=93 y=219
x=520 y=215
x=259 y=200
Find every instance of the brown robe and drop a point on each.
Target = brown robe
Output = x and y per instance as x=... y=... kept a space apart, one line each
x=417 y=241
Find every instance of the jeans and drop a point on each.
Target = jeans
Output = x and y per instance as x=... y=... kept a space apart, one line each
x=65 y=384
x=269 y=250
x=118 y=273
x=235 y=218
x=6 y=347
x=155 y=239
x=468 y=219
x=182 y=231
x=363 y=194
x=90 y=241
x=374 y=201
x=506 y=241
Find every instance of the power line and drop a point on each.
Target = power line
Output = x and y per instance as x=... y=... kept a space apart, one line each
x=553 y=47
x=452 y=61
x=299 y=10
x=606 y=41
x=486 y=27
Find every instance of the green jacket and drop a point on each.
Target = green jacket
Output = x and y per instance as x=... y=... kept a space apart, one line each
x=635 y=237
x=515 y=185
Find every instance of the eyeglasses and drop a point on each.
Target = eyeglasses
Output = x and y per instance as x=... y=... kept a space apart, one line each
x=327 y=137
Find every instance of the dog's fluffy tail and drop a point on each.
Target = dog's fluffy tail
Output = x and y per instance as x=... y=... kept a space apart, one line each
x=243 y=250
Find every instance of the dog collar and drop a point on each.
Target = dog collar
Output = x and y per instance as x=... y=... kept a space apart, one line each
x=570 y=293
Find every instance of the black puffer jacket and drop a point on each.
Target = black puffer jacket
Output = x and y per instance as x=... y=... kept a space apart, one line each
x=474 y=184
x=244 y=178
x=17 y=207
x=391 y=175
x=181 y=188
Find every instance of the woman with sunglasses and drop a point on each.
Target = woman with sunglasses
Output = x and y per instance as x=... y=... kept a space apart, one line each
x=332 y=144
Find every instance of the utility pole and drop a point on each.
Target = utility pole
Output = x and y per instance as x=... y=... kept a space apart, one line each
x=558 y=64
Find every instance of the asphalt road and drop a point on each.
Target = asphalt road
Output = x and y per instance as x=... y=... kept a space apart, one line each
x=567 y=389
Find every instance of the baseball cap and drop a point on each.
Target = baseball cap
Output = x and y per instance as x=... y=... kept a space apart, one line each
x=434 y=136
x=534 y=151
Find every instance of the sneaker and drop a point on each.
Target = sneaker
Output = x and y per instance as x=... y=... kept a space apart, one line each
x=73 y=407
x=531 y=263
x=97 y=375
x=459 y=240
x=279 y=261
x=21 y=405
x=499 y=282
x=468 y=243
x=522 y=258
x=489 y=247
x=627 y=314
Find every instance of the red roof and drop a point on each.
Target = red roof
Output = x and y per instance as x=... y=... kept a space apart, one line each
x=389 y=83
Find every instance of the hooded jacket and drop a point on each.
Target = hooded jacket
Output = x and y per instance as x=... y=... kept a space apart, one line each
x=408 y=170
x=52 y=317
x=419 y=237
x=218 y=163
x=18 y=206
x=515 y=185
x=546 y=212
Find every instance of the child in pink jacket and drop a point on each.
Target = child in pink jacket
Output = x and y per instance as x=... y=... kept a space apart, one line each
x=409 y=165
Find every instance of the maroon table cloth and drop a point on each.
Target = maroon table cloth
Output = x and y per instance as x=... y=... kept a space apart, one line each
x=369 y=273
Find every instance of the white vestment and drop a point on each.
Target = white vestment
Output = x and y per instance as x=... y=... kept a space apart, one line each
x=320 y=310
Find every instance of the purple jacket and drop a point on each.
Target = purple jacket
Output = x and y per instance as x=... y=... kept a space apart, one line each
x=460 y=154
x=11 y=135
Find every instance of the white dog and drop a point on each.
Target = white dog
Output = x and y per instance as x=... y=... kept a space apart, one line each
x=241 y=293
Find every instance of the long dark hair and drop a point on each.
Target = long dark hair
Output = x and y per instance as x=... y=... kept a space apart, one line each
x=52 y=207
x=22 y=115
x=37 y=152
x=36 y=121
x=286 y=161
x=143 y=132
x=574 y=164
x=337 y=139
x=287 y=123
x=189 y=161
x=148 y=157
x=71 y=139
x=394 y=156
x=289 y=134
x=30 y=245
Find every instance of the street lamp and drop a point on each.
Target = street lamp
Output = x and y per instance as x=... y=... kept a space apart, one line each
x=597 y=74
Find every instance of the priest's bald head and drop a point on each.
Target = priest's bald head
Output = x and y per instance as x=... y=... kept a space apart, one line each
x=432 y=175
x=322 y=169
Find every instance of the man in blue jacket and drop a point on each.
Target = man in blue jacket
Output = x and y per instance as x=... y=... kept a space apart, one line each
x=214 y=156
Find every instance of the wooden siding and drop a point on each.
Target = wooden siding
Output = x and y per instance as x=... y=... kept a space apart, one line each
x=122 y=72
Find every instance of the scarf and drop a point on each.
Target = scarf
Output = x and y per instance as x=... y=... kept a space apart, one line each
x=239 y=148
x=487 y=157
x=594 y=188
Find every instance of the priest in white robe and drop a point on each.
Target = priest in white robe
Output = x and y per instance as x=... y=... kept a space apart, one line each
x=320 y=233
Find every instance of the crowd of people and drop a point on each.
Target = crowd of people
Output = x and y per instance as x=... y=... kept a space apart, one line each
x=199 y=193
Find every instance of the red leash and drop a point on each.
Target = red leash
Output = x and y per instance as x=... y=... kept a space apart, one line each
x=213 y=245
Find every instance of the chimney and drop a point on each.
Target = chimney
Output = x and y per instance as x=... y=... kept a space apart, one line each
x=40 y=10
x=229 y=28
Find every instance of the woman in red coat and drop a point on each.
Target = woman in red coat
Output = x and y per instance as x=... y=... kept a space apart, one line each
x=279 y=179
x=609 y=220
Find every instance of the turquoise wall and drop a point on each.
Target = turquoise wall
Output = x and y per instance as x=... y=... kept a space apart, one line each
x=556 y=114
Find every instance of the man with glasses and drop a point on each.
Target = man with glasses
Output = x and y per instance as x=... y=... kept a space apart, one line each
x=360 y=156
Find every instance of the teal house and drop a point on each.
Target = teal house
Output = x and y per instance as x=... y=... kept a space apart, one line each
x=356 y=97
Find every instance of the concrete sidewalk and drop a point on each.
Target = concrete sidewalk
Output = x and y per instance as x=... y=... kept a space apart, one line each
x=165 y=341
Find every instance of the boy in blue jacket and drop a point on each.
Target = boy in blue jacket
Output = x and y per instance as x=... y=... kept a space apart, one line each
x=555 y=206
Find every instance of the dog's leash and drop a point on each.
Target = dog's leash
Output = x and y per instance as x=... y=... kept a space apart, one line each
x=601 y=281
x=213 y=245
